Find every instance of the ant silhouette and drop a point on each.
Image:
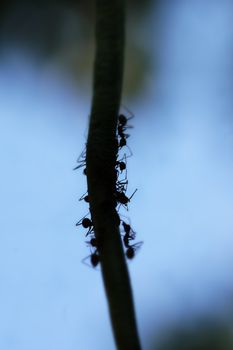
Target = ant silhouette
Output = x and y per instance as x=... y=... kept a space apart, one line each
x=131 y=250
x=122 y=143
x=122 y=127
x=86 y=223
x=122 y=199
x=84 y=197
x=93 y=242
x=129 y=234
x=123 y=121
x=122 y=167
x=121 y=185
x=121 y=164
x=94 y=259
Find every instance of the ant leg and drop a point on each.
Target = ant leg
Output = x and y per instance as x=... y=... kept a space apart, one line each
x=80 y=165
x=118 y=207
x=86 y=263
x=82 y=156
x=126 y=217
x=133 y=194
x=94 y=259
x=81 y=160
x=84 y=260
x=128 y=111
x=122 y=185
x=130 y=152
x=137 y=245
x=125 y=206
x=90 y=231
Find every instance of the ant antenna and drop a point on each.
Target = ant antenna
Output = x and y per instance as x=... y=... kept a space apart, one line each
x=133 y=194
x=127 y=110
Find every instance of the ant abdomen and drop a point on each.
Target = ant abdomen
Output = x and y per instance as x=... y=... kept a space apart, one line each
x=130 y=253
x=131 y=250
x=86 y=223
x=95 y=259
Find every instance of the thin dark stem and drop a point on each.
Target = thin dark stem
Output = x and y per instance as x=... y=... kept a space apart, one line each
x=101 y=175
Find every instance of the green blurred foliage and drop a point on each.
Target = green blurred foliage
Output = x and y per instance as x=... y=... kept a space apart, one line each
x=62 y=33
x=205 y=334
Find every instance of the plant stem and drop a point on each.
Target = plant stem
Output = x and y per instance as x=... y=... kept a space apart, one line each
x=101 y=175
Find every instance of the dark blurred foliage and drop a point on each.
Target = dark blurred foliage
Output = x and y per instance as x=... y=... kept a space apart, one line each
x=62 y=33
x=205 y=334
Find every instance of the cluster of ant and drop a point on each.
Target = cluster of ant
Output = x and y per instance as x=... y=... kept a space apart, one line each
x=128 y=235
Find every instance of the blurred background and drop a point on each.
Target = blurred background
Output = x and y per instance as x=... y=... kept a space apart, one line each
x=178 y=84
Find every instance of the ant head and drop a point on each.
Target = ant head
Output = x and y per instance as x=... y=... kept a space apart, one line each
x=130 y=252
x=122 y=166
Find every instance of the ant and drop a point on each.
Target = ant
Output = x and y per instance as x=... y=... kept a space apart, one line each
x=86 y=223
x=121 y=164
x=122 y=127
x=84 y=197
x=93 y=242
x=131 y=250
x=123 y=121
x=121 y=186
x=123 y=142
x=123 y=199
x=94 y=258
x=129 y=234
